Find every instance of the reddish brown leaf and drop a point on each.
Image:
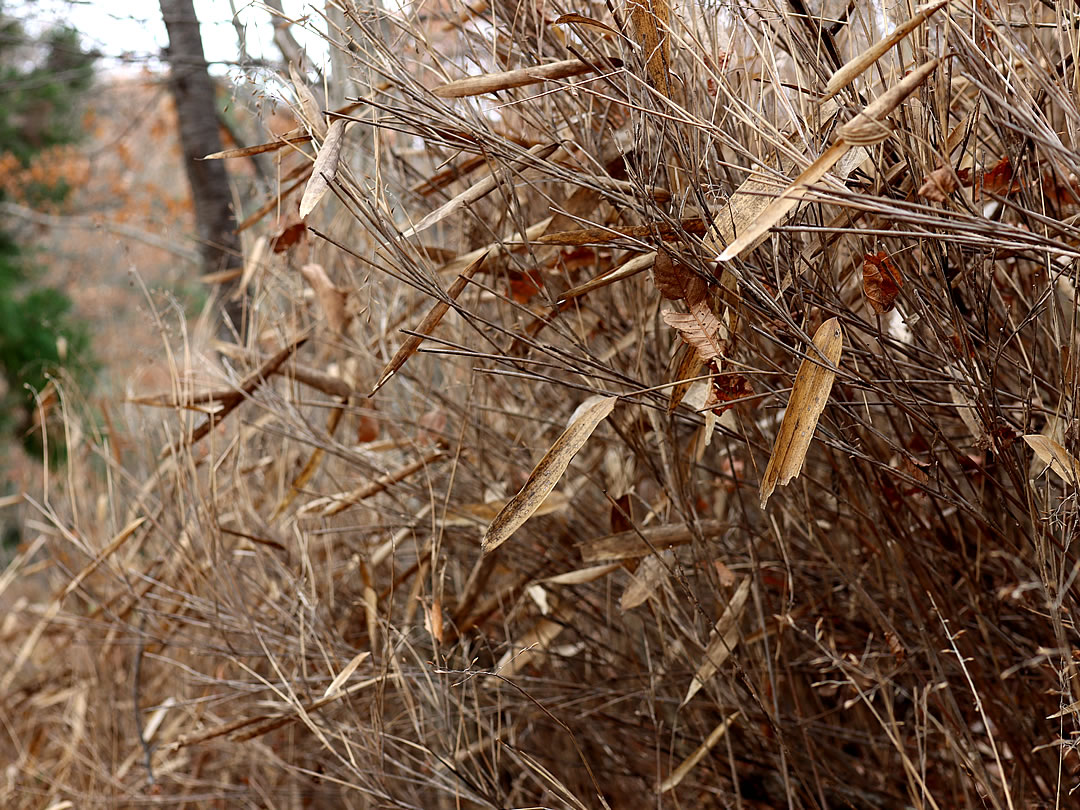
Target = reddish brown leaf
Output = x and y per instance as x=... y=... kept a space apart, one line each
x=523 y=286
x=675 y=280
x=621 y=515
x=288 y=236
x=881 y=281
x=999 y=179
x=725 y=389
x=939 y=184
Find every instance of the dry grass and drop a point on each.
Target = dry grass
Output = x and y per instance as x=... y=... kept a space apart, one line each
x=290 y=607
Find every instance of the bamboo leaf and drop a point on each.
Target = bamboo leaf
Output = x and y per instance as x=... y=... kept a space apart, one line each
x=431 y=320
x=650 y=21
x=1056 y=457
x=325 y=168
x=331 y=297
x=691 y=761
x=309 y=107
x=547 y=472
x=808 y=397
x=856 y=65
x=722 y=640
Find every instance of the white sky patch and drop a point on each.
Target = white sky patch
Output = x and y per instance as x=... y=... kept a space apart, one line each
x=129 y=33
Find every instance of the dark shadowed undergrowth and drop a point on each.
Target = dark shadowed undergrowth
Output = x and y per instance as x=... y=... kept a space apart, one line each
x=266 y=587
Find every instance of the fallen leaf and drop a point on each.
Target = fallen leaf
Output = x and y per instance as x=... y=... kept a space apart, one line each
x=939 y=184
x=431 y=320
x=881 y=281
x=808 y=397
x=325 y=168
x=331 y=298
x=288 y=236
x=1056 y=457
x=699 y=328
x=725 y=390
x=722 y=640
x=547 y=472
x=999 y=179
x=675 y=280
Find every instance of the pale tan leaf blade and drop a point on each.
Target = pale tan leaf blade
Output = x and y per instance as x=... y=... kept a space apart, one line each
x=325 y=168
x=630 y=544
x=813 y=383
x=625 y=270
x=480 y=189
x=257 y=149
x=431 y=320
x=857 y=64
x=643 y=583
x=722 y=640
x=1056 y=457
x=506 y=80
x=547 y=472
x=346 y=673
x=581 y=576
x=331 y=298
x=309 y=107
x=785 y=203
x=699 y=753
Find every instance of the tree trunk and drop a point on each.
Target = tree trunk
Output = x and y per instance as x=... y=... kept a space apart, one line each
x=196 y=108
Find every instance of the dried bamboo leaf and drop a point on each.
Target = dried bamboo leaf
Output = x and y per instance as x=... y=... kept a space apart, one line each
x=691 y=761
x=578 y=19
x=856 y=65
x=506 y=80
x=583 y=575
x=547 y=472
x=808 y=397
x=870 y=126
x=650 y=21
x=722 y=640
x=865 y=129
x=479 y=190
x=630 y=544
x=1056 y=457
x=780 y=207
x=625 y=270
x=689 y=367
x=325 y=168
x=257 y=149
x=331 y=297
x=309 y=107
x=431 y=320
x=346 y=672
x=588 y=236
x=643 y=583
